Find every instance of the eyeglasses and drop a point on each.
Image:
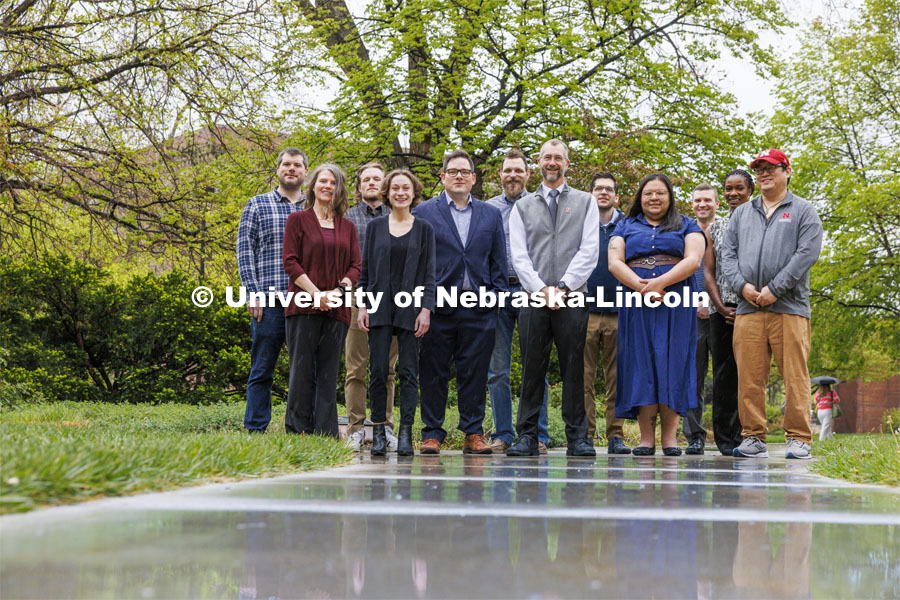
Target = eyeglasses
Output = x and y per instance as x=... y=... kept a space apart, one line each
x=458 y=173
x=768 y=169
x=605 y=188
x=655 y=194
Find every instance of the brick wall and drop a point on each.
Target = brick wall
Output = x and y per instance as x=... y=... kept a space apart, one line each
x=865 y=403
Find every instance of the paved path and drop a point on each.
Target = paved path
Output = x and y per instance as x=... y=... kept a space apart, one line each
x=458 y=526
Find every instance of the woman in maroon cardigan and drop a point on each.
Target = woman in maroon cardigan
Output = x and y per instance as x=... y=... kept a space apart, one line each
x=321 y=257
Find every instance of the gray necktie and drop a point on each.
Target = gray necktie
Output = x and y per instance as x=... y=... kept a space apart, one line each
x=553 y=205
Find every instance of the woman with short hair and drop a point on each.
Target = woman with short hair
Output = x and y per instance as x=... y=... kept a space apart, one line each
x=321 y=257
x=653 y=251
x=399 y=257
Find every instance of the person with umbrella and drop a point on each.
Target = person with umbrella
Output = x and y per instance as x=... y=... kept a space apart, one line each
x=825 y=398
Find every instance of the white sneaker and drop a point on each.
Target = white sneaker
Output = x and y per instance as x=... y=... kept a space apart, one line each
x=356 y=440
x=391 y=438
x=797 y=449
x=752 y=447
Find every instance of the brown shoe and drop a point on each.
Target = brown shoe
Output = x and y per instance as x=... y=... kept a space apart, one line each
x=475 y=444
x=542 y=448
x=430 y=446
x=498 y=446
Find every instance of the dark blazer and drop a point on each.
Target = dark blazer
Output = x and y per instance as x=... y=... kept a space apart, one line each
x=484 y=255
x=303 y=252
x=418 y=271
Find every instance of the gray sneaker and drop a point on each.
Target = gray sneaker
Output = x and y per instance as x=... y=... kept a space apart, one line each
x=391 y=438
x=797 y=449
x=356 y=440
x=752 y=447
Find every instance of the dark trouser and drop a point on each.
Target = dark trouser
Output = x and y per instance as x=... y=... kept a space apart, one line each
x=466 y=337
x=692 y=426
x=407 y=368
x=268 y=338
x=726 y=424
x=538 y=329
x=314 y=344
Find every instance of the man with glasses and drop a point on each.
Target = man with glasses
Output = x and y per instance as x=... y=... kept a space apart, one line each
x=770 y=246
x=259 y=240
x=514 y=175
x=554 y=246
x=470 y=255
x=603 y=320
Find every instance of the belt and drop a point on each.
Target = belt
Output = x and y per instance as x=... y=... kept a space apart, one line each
x=513 y=281
x=648 y=262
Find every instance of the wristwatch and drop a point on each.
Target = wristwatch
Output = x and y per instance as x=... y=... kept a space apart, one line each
x=562 y=285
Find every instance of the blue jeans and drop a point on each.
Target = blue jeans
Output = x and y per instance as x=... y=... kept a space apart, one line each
x=498 y=379
x=268 y=338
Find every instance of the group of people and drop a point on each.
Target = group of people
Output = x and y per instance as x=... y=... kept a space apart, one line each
x=575 y=252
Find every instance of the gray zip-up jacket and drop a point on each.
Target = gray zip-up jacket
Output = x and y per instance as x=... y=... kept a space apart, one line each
x=778 y=253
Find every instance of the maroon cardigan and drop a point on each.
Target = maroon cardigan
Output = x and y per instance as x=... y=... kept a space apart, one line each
x=303 y=252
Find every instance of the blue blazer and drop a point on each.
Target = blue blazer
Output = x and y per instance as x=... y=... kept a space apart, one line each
x=484 y=255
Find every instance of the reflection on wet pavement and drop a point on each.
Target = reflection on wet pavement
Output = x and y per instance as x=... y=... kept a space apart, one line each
x=454 y=526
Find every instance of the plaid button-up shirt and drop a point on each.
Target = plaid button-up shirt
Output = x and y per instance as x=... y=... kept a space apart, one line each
x=362 y=214
x=259 y=241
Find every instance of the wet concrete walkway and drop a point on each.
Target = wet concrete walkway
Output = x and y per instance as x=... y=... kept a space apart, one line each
x=455 y=526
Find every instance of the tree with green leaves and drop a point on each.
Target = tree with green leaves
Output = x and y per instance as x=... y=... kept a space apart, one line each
x=624 y=78
x=840 y=119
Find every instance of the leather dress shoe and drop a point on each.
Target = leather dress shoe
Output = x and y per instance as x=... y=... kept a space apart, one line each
x=695 y=447
x=430 y=446
x=644 y=451
x=617 y=446
x=672 y=451
x=475 y=444
x=524 y=446
x=580 y=448
x=498 y=446
x=404 y=441
x=727 y=450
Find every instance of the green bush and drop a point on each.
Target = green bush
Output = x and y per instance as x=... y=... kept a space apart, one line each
x=890 y=421
x=76 y=334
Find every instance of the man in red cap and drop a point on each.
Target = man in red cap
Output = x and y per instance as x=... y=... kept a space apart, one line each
x=771 y=244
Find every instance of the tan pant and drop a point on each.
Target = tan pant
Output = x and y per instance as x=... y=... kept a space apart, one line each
x=602 y=332
x=356 y=352
x=757 y=336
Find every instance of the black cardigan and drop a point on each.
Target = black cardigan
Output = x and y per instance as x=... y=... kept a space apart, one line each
x=418 y=271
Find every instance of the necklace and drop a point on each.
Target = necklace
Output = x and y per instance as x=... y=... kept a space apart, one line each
x=769 y=209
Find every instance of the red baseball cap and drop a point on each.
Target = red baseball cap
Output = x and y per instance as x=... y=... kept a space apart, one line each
x=773 y=156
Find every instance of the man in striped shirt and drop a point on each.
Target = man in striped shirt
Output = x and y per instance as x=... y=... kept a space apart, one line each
x=259 y=241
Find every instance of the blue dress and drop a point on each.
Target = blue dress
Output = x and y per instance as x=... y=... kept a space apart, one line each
x=656 y=346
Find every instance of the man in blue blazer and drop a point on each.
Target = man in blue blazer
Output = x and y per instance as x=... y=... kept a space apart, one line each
x=470 y=253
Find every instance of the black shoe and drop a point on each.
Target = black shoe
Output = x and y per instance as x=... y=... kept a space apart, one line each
x=379 y=441
x=524 y=446
x=695 y=447
x=644 y=451
x=404 y=441
x=580 y=448
x=672 y=451
x=617 y=446
x=727 y=450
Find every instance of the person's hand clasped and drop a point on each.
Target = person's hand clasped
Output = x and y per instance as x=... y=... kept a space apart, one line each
x=653 y=289
x=423 y=322
x=766 y=297
x=729 y=313
x=750 y=294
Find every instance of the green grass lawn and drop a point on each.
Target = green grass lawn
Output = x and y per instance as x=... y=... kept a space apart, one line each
x=860 y=458
x=66 y=452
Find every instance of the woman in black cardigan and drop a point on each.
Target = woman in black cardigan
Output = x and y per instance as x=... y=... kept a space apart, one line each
x=399 y=257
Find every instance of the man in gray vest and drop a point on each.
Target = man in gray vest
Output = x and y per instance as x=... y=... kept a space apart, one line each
x=554 y=253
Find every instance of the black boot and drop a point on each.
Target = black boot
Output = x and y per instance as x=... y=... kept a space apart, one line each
x=404 y=441
x=379 y=441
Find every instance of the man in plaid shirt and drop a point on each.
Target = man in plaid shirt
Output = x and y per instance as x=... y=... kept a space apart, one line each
x=259 y=241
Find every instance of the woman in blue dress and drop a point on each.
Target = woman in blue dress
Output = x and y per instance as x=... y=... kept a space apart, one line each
x=654 y=251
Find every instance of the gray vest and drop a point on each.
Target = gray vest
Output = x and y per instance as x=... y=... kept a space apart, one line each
x=551 y=250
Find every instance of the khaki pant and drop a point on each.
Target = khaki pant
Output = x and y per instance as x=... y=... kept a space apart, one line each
x=356 y=353
x=602 y=332
x=757 y=336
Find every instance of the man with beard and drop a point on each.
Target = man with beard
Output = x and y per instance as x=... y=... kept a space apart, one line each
x=259 y=241
x=514 y=175
x=704 y=202
x=368 y=206
x=554 y=245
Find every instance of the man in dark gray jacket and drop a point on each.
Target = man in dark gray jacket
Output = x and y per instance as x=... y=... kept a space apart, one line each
x=770 y=246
